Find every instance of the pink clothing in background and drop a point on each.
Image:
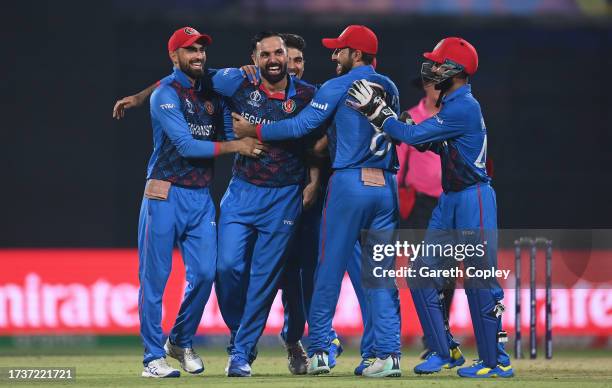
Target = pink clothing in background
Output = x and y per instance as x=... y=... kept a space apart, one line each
x=422 y=169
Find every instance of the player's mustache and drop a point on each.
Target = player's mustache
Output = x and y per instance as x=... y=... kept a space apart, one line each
x=269 y=65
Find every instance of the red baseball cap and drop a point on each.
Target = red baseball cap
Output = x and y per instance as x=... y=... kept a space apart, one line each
x=356 y=37
x=457 y=50
x=185 y=37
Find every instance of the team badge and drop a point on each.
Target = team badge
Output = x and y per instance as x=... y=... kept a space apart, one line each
x=210 y=108
x=190 y=31
x=289 y=106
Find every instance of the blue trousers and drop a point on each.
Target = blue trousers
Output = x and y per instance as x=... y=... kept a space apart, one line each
x=468 y=216
x=350 y=208
x=255 y=227
x=298 y=282
x=187 y=218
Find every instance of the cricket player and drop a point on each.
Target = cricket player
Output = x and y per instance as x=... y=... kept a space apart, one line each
x=468 y=205
x=362 y=194
x=269 y=186
x=263 y=202
x=177 y=207
x=298 y=279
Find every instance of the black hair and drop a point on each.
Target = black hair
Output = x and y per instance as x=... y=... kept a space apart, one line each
x=294 y=41
x=263 y=35
x=366 y=58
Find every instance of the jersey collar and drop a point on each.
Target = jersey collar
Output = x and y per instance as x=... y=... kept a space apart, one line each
x=463 y=90
x=288 y=93
x=365 y=69
x=184 y=80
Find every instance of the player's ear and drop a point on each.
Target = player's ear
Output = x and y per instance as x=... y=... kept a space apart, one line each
x=254 y=58
x=358 y=55
x=173 y=57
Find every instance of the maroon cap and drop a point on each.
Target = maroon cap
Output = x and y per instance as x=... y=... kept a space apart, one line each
x=355 y=37
x=185 y=37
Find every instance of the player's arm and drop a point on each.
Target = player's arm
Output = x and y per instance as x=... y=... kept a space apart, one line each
x=308 y=120
x=132 y=101
x=226 y=115
x=367 y=99
x=165 y=108
x=227 y=81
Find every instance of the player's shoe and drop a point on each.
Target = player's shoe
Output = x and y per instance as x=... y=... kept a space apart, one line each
x=251 y=360
x=457 y=358
x=384 y=367
x=189 y=359
x=425 y=353
x=434 y=363
x=365 y=362
x=479 y=371
x=318 y=364
x=297 y=359
x=159 y=368
x=238 y=367
x=335 y=350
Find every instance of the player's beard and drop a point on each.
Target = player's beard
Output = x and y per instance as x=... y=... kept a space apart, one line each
x=274 y=78
x=186 y=68
x=343 y=68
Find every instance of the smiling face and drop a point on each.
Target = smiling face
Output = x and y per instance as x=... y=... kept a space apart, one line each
x=271 y=57
x=190 y=60
x=344 y=60
x=295 y=65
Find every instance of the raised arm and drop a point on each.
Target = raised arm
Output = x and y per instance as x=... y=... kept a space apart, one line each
x=367 y=99
x=132 y=101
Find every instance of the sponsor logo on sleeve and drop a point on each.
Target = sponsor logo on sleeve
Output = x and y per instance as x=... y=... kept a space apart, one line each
x=167 y=106
x=318 y=105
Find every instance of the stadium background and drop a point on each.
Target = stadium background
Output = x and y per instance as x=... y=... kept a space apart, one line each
x=74 y=177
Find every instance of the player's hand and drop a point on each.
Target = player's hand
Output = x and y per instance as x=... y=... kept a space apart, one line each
x=310 y=195
x=242 y=128
x=250 y=147
x=125 y=103
x=251 y=73
x=406 y=118
x=368 y=98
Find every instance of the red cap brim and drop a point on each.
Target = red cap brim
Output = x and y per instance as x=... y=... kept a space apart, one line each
x=204 y=39
x=333 y=43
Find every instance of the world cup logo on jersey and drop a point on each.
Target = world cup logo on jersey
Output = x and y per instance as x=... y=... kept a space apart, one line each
x=210 y=108
x=289 y=106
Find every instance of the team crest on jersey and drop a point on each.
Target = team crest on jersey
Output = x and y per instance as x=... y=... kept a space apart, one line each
x=210 y=108
x=190 y=31
x=289 y=106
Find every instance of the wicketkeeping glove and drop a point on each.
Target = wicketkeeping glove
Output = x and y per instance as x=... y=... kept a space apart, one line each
x=369 y=100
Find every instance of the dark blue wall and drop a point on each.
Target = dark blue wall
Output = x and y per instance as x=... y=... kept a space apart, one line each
x=74 y=177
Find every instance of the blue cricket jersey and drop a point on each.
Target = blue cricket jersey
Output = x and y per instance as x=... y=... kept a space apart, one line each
x=353 y=142
x=284 y=162
x=184 y=125
x=460 y=137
